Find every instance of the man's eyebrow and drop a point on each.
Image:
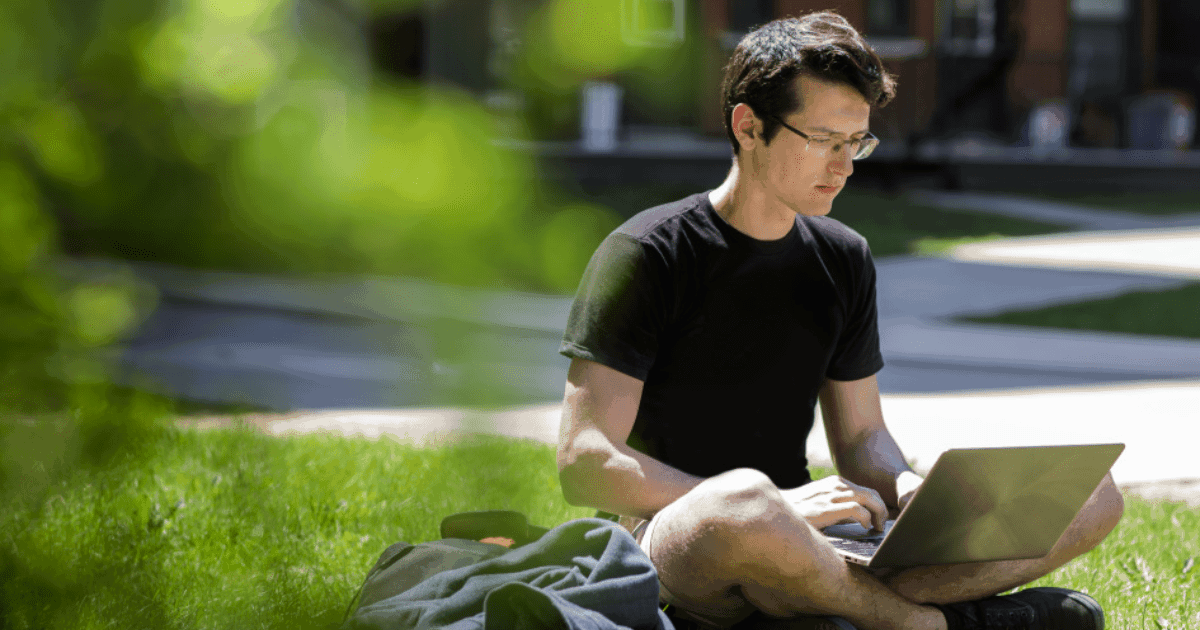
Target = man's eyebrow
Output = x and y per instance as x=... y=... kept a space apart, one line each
x=834 y=132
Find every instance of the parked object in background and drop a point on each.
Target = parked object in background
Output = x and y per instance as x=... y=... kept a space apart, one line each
x=1161 y=120
x=1048 y=126
x=601 y=116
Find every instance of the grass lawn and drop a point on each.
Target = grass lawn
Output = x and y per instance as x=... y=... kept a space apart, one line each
x=895 y=226
x=1170 y=313
x=1165 y=202
x=232 y=529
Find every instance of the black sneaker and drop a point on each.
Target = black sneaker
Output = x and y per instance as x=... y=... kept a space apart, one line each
x=1044 y=608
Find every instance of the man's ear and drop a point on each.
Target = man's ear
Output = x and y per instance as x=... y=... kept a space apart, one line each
x=746 y=126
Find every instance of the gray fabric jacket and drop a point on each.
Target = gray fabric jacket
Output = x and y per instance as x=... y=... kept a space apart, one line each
x=586 y=574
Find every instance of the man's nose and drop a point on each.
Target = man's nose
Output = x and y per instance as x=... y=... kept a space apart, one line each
x=841 y=162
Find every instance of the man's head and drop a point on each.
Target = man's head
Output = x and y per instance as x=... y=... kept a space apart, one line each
x=763 y=70
x=813 y=79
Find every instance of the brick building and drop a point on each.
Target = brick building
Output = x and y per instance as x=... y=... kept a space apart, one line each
x=1097 y=75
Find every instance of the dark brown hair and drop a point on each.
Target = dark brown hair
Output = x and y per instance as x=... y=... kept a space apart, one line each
x=822 y=45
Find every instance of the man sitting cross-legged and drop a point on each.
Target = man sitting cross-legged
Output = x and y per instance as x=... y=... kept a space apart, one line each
x=703 y=335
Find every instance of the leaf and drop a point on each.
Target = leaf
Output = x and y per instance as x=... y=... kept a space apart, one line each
x=1187 y=566
x=1163 y=624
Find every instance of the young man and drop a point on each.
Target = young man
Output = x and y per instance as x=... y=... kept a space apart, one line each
x=703 y=335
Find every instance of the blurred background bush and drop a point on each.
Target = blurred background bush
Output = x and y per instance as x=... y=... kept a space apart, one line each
x=251 y=135
x=260 y=136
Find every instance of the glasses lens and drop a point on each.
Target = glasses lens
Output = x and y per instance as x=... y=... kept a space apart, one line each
x=866 y=146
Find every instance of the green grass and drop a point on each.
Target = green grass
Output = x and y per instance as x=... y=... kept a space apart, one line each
x=1170 y=313
x=1149 y=202
x=895 y=226
x=232 y=529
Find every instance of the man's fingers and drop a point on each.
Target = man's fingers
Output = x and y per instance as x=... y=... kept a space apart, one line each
x=863 y=516
x=871 y=503
x=854 y=512
x=875 y=507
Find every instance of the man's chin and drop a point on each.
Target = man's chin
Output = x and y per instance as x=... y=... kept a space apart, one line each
x=815 y=210
x=810 y=207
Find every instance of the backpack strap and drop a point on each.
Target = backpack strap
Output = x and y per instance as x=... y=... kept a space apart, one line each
x=403 y=565
x=492 y=524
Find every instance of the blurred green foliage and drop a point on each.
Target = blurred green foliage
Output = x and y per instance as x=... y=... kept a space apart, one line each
x=246 y=135
x=255 y=135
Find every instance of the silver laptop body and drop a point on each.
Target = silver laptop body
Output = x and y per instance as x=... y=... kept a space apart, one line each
x=984 y=504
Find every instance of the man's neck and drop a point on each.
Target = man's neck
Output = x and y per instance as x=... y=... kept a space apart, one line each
x=746 y=205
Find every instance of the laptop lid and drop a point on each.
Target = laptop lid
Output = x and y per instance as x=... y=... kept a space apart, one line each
x=986 y=504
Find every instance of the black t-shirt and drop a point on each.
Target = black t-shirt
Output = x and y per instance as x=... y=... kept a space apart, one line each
x=732 y=336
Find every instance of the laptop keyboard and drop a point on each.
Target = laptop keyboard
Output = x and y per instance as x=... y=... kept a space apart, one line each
x=860 y=546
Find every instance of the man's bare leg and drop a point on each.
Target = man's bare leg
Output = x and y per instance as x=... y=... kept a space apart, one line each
x=963 y=582
x=734 y=543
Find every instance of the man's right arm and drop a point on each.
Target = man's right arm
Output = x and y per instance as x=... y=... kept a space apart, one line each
x=595 y=466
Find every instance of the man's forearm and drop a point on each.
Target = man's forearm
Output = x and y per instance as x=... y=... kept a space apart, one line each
x=620 y=480
x=874 y=461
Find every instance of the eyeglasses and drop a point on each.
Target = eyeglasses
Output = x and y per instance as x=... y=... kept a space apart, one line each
x=859 y=147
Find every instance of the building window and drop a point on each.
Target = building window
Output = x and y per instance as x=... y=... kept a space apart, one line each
x=887 y=18
x=1100 y=34
x=654 y=22
x=970 y=27
x=1108 y=10
x=746 y=15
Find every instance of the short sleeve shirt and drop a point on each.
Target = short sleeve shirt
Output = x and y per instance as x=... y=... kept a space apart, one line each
x=732 y=336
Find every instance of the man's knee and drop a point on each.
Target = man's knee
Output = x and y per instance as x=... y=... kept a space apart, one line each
x=740 y=498
x=735 y=510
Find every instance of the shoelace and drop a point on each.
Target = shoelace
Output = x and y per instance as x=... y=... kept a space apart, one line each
x=1009 y=618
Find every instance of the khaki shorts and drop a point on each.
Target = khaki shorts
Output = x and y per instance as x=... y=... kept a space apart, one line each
x=698 y=611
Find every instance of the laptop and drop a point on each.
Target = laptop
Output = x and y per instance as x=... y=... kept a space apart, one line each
x=983 y=504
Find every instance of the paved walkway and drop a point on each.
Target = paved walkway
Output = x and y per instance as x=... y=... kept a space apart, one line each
x=946 y=384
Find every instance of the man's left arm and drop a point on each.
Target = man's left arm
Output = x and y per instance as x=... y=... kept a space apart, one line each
x=862 y=447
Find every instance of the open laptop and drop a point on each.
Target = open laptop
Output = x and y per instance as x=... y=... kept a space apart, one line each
x=984 y=504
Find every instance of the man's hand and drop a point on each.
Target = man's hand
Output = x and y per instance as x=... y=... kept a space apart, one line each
x=906 y=486
x=835 y=500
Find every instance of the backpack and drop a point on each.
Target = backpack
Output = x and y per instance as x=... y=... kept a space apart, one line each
x=467 y=538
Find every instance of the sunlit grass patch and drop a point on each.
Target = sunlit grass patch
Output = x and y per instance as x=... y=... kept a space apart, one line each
x=235 y=529
x=1159 y=202
x=894 y=225
x=1170 y=313
x=932 y=246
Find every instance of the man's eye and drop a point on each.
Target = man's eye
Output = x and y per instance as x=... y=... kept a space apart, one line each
x=822 y=139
